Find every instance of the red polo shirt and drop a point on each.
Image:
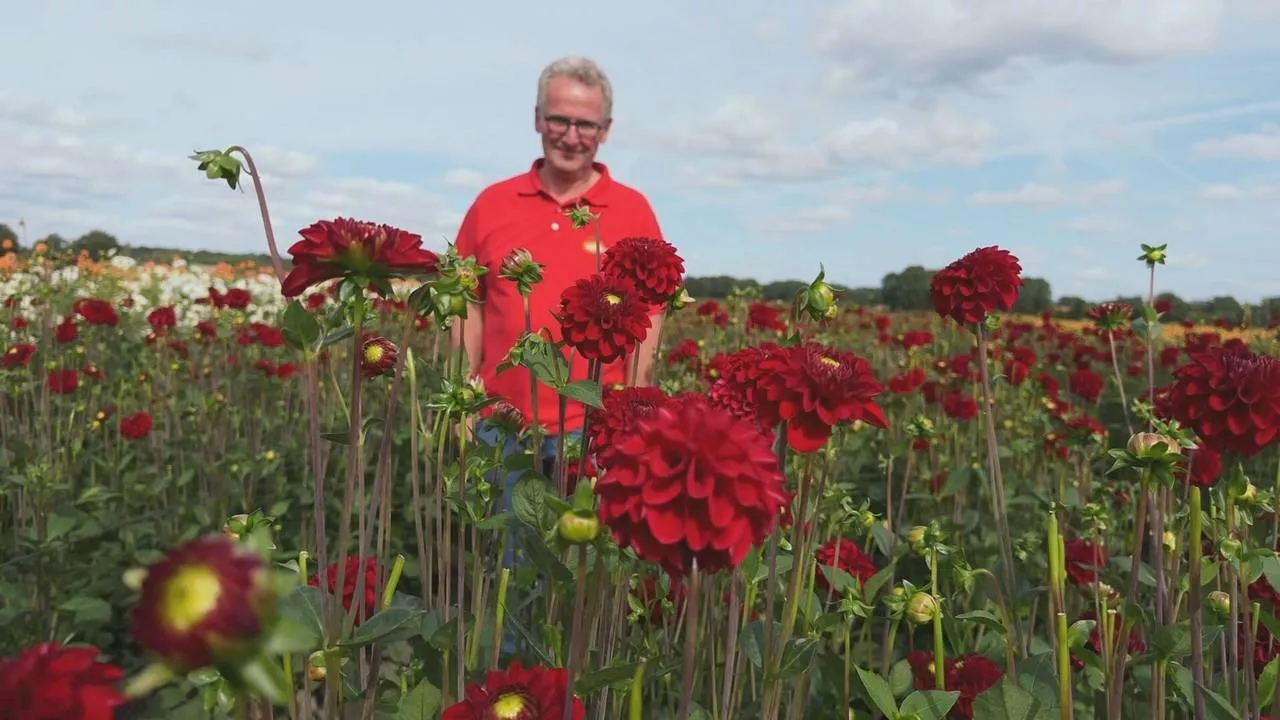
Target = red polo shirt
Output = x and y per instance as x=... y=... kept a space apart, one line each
x=520 y=213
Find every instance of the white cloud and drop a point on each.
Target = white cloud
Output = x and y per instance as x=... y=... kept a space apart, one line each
x=464 y=179
x=1237 y=192
x=931 y=43
x=1037 y=194
x=1263 y=145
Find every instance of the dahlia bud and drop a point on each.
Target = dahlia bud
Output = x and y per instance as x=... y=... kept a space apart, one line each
x=450 y=304
x=1153 y=255
x=377 y=356
x=916 y=537
x=1144 y=445
x=922 y=608
x=507 y=417
x=1231 y=548
x=818 y=299
x=896 y=601
x=1219 y=603
x=921 y=427
x=579 y=527
x=235 y=526
x=866 y=519
x=682 y=299
x=1170 y=541
x=581 y=216
x=317 y=669
x=520 y=268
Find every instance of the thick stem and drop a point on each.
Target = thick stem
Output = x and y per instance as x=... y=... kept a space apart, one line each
x=690 y=643
x=276 y=262
x=995 y=476
x=1194 y=600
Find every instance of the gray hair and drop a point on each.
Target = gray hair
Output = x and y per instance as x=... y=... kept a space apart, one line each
x=585 y=71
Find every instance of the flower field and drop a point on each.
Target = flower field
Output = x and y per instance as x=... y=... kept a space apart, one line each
x=219 y=499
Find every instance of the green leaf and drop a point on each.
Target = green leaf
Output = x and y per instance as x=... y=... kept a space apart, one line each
x=420 y=703
x=1079 y=633
x=528 y=499
x=1216 y=707
x=302 y=608
x=391 y=620
x=1267 y=683
x=1172 y=641
x=798 y=658
x=266 y=678
x=878 y=692
x=985 y=619
x=301 y=329
x=900 y=677
x=1007 y=701
x=616 y=675
x=929 y=704
x=87 y=610
x=587 y=392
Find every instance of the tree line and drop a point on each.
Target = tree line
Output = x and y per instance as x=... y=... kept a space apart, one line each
x=907 y=289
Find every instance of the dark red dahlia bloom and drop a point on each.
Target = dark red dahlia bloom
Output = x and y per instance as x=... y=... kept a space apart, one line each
x=66 y=331
x=344 y=247
x=1111 y=316
x=844 y=554
x=1204 y=467
x=63 y=381
x=96 y=312
x=1086 y=384
x=969 y=289
x=650 y=264
x=763 y=316
x=208 y=600
x=369 y=600
x=18 y=356
x=1083 y=559
x=691 y=483
x=52 y=682
x=162 y=318
x=686 y=351
x=136 y=426
x=959 y=406
x=603 y=317
x=970 y=675
x=377 y=356
x=622 y=408
x=907 y=382
x=1231 y=399
x=814 y=387
x=518 y=693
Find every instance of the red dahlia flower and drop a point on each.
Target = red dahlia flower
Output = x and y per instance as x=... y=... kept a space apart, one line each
x=344 y=248
x=650 y=264
x=1203 y=467
x=970 y=675
x=52 y=682
x=814 y=388
x=603 y=317
x=18 y=356
x=969 y=289
x=622 y=408
x=691 y=483
x=1086 y=384
x=844 y=554
x=207 y=601
x=63 y=381
x=1231 y=399
x=96 y=312
x=1111 y=316
x=136 y=426
x=1083 y=559
x=517 y=693
x=377 y=356
x=369 y=600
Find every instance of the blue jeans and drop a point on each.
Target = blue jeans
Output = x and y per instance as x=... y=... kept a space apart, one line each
x=512 y=559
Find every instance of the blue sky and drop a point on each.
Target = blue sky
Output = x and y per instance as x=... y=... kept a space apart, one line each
x=861 y=134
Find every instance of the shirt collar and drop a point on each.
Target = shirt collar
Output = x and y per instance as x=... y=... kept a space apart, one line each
x=596 y=196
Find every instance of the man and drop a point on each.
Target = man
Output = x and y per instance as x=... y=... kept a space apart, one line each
x=573 y=116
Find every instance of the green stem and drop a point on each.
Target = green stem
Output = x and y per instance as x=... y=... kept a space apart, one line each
x=637 y=694
x=1194 y=599
x=939 y=650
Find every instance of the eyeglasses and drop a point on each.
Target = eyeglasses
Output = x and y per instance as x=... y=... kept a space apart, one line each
x=559 y=124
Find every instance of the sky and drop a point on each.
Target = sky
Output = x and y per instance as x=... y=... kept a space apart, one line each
x=771 y=138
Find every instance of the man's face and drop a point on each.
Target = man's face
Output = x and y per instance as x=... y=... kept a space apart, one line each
x=572 y=124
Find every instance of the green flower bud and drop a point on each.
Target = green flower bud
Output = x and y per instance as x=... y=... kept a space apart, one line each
x=578 y=527
x=922 y=608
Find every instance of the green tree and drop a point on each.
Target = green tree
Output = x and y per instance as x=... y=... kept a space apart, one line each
x=1036 y=297
x=908 y=290
x=96 y=243
x=7 y=233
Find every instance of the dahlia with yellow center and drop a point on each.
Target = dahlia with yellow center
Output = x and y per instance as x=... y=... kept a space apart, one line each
x=206 y=603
